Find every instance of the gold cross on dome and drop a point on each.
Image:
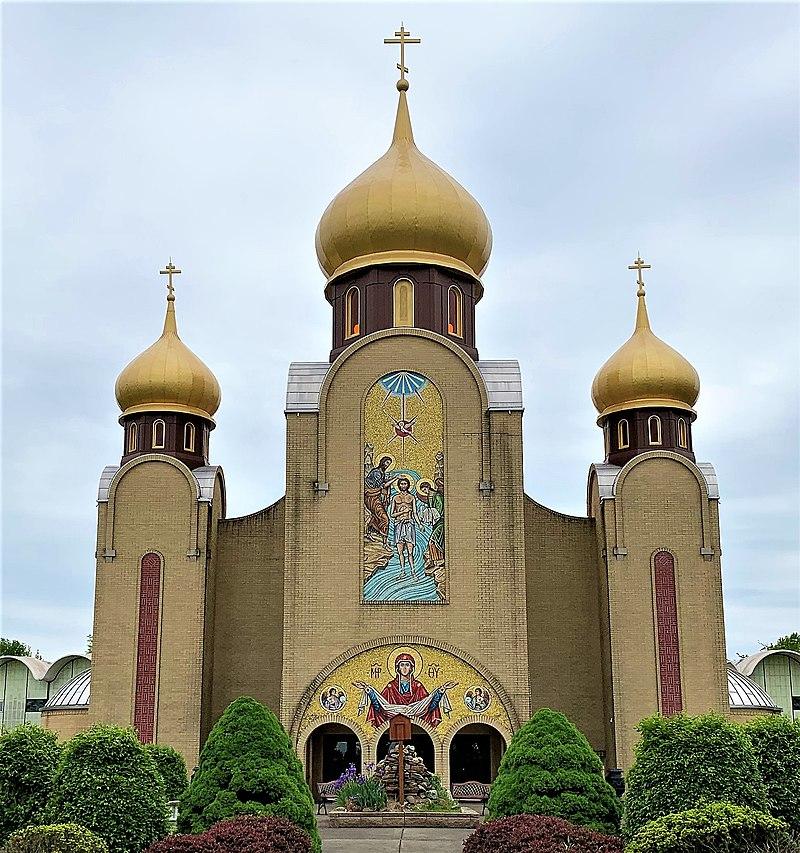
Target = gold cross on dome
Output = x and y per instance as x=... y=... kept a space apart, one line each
x=639 y=265
x=170 y=270
x=401 y=38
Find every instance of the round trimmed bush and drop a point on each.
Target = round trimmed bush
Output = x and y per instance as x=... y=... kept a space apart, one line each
x=721 y=827
x=538 y=834
x=108 y=783
x=55 y=838
x=28 y=758
x=776 y=741
x=683 y=762
x=550 y=769
x=170 y=764
x=248 y=766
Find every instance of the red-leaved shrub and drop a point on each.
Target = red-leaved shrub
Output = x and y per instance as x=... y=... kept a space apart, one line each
x=240 y=835
x=260 y=835
x=528 y=833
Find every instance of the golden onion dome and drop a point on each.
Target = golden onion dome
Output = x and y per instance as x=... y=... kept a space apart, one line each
x=645 y=372
x=403 y=209
x=168 y=377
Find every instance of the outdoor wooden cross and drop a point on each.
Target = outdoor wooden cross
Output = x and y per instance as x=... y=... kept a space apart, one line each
x=639 y=265
x=399 y=732
x=170 y=270
x=402 y=39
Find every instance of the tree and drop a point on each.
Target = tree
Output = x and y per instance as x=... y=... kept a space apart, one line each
x=28 y=758
x=14 y=647
x=790 y=642
x=683 y=762
x=107 y=782
x=550 y=769
x=248 y=766
x=776 y=741
x=170 y=764
x=89 y=643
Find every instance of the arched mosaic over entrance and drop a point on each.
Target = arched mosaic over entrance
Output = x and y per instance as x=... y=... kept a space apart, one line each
x=404 y=500
x=433 y=686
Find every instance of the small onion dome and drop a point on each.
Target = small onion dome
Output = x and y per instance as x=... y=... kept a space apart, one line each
x=744 y=693
x=403 y=209
x=645 y=373
x=168 y=377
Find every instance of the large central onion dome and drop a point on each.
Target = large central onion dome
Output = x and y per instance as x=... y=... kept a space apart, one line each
x=645 y=372
x=168 y=377
x=403 y=209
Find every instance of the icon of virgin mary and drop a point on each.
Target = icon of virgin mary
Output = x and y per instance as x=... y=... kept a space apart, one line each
x=404 y=694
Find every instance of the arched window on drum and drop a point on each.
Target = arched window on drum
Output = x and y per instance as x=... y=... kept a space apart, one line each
x=455 y=312
x=403 y=298
x=159 y=435
x=352 y=313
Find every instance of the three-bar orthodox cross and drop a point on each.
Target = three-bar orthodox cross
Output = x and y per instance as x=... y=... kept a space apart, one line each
x=170 y=270
x=401 y=38
x=639 y=265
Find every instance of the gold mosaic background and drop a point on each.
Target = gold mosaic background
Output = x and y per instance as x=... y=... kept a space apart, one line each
x=376 y=667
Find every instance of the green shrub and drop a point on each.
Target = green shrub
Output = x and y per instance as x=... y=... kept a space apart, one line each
x=683 y=762
x=108 y=783
x=248 y=767
x=170 y=764
x=55 y=838
x=367 y=793
x=718 y=827
x=776 y=741
x=28 y=758
x=550 y=769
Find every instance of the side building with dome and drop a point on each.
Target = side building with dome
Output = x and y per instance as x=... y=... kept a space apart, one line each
x=405 y=569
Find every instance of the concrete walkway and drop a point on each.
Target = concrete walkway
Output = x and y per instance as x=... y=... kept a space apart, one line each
x=390 y=840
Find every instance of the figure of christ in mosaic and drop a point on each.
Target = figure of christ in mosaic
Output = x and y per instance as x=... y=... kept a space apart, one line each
x=404 y=530
x=404 y=694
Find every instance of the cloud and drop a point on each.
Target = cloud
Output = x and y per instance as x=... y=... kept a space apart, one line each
x=218 y=133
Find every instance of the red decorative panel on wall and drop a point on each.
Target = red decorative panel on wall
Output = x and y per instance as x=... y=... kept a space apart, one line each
x=144 y=708
x=669 y=663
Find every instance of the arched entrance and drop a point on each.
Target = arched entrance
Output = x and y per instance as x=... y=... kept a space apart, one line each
x=421 y=742
x=329 y=751
x=475 y=753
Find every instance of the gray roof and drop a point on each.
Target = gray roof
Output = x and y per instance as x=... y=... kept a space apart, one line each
x=206 y=477
x=105 y=482
x=503 y=384
x=73 y=695
x=607 y=479
x=744 y=693
x=58 y=665
x=748 y=664
x=37 y=668
x=303 y=386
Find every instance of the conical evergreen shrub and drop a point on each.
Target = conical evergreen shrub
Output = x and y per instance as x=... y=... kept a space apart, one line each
x=248 y=766
x=550 y=769
x=683 y=762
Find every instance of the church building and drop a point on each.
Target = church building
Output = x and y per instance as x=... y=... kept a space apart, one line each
x=405 y=569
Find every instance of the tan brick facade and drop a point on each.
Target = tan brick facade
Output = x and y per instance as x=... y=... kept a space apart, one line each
x=549 y=610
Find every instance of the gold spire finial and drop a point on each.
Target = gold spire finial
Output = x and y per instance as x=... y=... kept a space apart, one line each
x=639 y=265
x=402 y=39
x=170 y=270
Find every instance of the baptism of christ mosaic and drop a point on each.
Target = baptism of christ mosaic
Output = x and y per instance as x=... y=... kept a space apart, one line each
x=404 y=497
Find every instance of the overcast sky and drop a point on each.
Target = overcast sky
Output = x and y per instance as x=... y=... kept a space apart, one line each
x=219 y=133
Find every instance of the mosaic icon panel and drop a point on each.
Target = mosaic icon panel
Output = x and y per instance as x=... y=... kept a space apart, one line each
x=404 y=491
